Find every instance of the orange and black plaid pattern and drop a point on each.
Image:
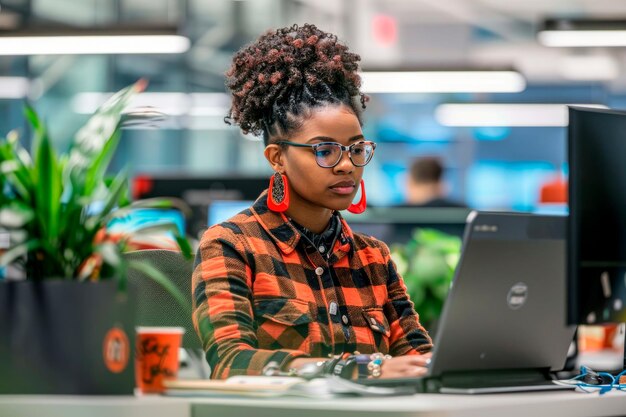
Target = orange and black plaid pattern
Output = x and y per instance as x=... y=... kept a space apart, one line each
x=262 y=294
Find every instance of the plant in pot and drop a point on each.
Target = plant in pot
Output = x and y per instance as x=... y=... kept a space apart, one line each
x=427 y=263
x=67 y=326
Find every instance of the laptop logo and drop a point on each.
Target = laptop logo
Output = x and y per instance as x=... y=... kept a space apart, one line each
x=517 y=296
x=491 y=228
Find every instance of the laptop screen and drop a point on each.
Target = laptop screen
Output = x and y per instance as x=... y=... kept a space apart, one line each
x=506 y=307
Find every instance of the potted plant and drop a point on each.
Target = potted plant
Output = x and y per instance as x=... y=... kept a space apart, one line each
x=427 y=263
x=68 y=326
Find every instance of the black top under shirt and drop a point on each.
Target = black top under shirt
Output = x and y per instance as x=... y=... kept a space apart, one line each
x=324 y=241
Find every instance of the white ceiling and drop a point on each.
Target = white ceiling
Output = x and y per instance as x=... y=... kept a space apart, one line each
x=455 y=32
x=430 y=32
x=515 y=9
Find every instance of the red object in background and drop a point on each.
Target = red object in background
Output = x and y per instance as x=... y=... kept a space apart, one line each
x=156 y=357
x=384 y=29
x=554 y=191
x=610 y=332
x=142 y=184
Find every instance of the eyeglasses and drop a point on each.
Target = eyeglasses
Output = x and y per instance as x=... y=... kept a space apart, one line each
x=328 y=154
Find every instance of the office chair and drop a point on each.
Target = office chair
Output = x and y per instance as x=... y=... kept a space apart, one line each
x=156 y=307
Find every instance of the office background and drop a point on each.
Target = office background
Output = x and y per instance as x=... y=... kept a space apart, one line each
x=489 y=167
x=501 y=143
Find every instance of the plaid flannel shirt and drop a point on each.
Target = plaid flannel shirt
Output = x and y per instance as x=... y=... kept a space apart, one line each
x=262 y=293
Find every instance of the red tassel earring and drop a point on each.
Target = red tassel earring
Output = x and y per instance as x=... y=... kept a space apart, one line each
x=278 y=195
x=359 y=207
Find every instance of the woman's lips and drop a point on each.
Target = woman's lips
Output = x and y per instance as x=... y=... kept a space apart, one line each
x=343 y=188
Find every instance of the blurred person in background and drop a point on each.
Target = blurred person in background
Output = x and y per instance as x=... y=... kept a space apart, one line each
x=425 y=185
x=285 y=286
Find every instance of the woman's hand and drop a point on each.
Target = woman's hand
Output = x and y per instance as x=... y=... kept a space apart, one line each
x=405 y=366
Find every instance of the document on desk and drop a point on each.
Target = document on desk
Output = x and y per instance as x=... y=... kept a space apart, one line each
x=273 y=386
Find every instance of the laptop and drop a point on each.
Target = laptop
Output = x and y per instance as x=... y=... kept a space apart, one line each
x=503 y=325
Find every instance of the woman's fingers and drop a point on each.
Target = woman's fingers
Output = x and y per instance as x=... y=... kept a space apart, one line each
x=416 y=371
x=418 y=360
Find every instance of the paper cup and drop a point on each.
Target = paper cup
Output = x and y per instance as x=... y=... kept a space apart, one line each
x=156 y=357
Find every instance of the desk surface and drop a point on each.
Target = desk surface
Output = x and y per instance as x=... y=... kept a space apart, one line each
x=568 y=404
x=552 y=404
x=86 y=406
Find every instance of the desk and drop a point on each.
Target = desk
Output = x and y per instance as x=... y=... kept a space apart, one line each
x=85 y=406
x=553 y=404
x=567 y=404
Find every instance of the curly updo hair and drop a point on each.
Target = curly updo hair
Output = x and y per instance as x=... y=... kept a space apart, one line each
x=277 y=81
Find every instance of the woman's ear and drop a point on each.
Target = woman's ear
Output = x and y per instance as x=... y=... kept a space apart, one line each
x=274 y=155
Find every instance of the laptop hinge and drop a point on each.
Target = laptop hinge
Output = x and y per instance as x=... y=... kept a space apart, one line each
x=484 y=380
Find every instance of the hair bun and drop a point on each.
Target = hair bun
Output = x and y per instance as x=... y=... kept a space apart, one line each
x=269 y=72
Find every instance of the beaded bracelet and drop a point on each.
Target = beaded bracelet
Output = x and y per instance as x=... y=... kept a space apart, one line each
x=376 y=364
x=371 y=365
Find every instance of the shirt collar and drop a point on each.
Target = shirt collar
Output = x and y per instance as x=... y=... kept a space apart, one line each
x=284 y=234
x=327 y=237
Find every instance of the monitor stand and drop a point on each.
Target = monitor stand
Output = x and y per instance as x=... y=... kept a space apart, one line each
x=623 y=379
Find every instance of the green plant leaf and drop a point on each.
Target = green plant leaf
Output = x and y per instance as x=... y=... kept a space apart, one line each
x=185 y=247
x=110 y=253
x=441 y=290
x=160 y=278
x=415 y=289
x=428 y=265
x=34 y=120
x=16 y=168
x=432 y=257
x=48 y=197
x=46 y=178
x=15 y=214
x=400 y=260
x=19 y=251
x=163 y=203
x=92 y=138
x=95 y=172
x=114 y=193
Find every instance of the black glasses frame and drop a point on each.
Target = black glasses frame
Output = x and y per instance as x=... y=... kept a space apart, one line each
x=341 y=147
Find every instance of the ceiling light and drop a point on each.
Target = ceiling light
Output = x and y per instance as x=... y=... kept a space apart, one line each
x=442 y=82
x=505 y=115
x=13 y=87
x=93 y=41
x=583 y=33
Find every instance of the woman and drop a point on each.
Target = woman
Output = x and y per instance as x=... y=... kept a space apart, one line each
x=286 y=286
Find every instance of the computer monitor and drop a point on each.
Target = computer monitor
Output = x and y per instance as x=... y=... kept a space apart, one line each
x=597 y=221
x=228 y=187
x=199 y=192
x=398 y=224
x=140 y=218
x=222 y=210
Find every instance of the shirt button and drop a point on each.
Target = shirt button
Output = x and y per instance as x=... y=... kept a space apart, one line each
x=344 y=318
x=322 y=249
x=319 y=270
x=333 y=308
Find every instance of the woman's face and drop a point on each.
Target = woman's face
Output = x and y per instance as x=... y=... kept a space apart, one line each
x=332 y=188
